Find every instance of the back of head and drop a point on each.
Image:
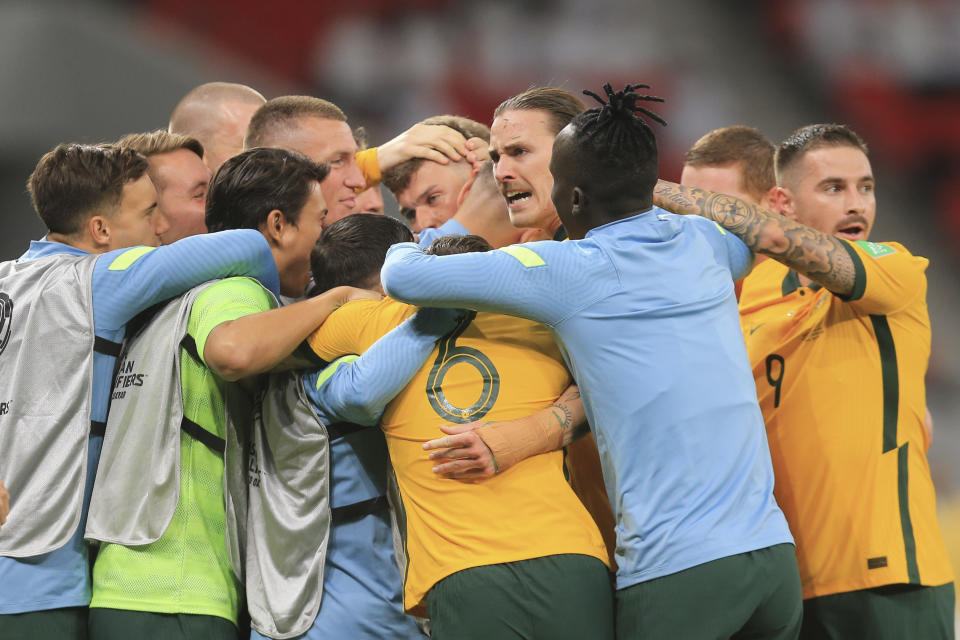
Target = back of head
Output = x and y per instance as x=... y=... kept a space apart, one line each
x=160 y=141
x=737 y=145
x=398 y=178
x=279 y=116
x=252 y=184
x=452 y=245
x=75 y=181
x=809 y=138
x=191 y=116
x=562 y=105
x=615 y=148
x=351 y=251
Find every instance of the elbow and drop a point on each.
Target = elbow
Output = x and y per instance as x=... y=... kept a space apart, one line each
x=395 y=282
x=773 y=243
x=228 y=359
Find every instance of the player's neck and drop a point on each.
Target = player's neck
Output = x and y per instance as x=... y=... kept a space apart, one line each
x=75 y=240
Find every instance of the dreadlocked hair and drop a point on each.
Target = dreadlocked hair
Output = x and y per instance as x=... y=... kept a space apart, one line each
x=614 y=125
x=614 y=137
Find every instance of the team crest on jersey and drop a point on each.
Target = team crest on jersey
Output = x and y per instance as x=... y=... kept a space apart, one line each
x=6 y=320
x=875 y=249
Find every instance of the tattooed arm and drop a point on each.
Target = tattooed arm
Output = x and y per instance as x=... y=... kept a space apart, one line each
x=820 y=256
x=480 y=450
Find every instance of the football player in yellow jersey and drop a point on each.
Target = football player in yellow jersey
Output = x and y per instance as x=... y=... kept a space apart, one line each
x=838 y=337
x=516 y=555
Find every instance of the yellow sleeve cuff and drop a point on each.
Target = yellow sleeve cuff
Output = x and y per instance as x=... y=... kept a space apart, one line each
x=367 y=161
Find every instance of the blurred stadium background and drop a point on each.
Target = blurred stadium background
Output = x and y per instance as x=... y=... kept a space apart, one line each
x=89 y=70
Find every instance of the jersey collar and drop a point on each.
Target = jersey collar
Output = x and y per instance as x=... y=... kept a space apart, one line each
x=791 y=282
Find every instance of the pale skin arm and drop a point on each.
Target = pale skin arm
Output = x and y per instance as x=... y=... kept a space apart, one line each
x=260 y=341
x=429 y=141
x=4 y=504
x=819 y=256
x=479 y=450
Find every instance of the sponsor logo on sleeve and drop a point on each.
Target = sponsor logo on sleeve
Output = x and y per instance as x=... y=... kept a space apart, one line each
x=875 y=249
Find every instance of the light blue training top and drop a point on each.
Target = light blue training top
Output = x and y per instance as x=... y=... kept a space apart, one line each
x=363 y=585
x=61 y=578
x=644 y=311
x=449 y=228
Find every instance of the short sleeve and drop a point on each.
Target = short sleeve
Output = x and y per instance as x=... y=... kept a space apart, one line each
x=224 y=301
x=355 y=326
x=728 y=248
x=887 y=277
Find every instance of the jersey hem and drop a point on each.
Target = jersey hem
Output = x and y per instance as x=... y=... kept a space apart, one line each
x=628 y=580
x=834 y=588
x=41 y=605
x=420 y=605
x=152 y=607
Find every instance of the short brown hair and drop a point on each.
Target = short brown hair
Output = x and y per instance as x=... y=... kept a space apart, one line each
x=814 y=136
x=160 y=141
x=398 y=178
x=454 y=245
x=562 y=105
x=74 y=181
x=281 y=114
x=740 y=145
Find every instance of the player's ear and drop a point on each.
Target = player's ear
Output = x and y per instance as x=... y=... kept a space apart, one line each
x=578 y=201
x=274 y=226
x=783 y=202
x=769 y=200
x=98 y=228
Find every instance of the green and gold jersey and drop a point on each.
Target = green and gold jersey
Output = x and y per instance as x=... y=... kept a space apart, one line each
x=493 y=368
x=841 y=385
x=188 y=570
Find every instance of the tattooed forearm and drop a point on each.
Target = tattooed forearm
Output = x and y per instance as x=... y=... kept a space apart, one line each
x=562 y=415
x=819 y=256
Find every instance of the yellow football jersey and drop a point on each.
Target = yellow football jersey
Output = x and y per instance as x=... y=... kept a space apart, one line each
x=496 y=368
x=841 y=385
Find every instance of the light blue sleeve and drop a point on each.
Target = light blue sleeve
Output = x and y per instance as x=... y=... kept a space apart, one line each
x=356 y=389
x=449 y=228
x=728 y=248
x=127 y=281
x=525 y=280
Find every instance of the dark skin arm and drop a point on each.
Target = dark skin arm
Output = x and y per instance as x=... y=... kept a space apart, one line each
x=816 y=255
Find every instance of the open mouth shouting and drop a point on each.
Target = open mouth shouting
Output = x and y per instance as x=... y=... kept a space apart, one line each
x=516 y=198
x=852 y=229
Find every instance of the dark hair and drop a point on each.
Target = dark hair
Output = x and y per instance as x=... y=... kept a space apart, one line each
x=398 y=178
x=281 y=114
x=562 y=105
x=814 y=136
x=452 y=245
x=741 y=145
x=351 y=251
x=616 y=144
x=250 y=185
x=75 y=181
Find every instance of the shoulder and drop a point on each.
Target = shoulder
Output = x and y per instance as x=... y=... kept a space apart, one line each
x=236 y=291
x=878 y=250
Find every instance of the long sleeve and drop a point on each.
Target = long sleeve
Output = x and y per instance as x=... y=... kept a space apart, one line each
x=520 y=280
x=356 y=389
x=127 y=281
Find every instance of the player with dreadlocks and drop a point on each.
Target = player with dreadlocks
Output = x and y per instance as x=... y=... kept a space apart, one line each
x=641 y=302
